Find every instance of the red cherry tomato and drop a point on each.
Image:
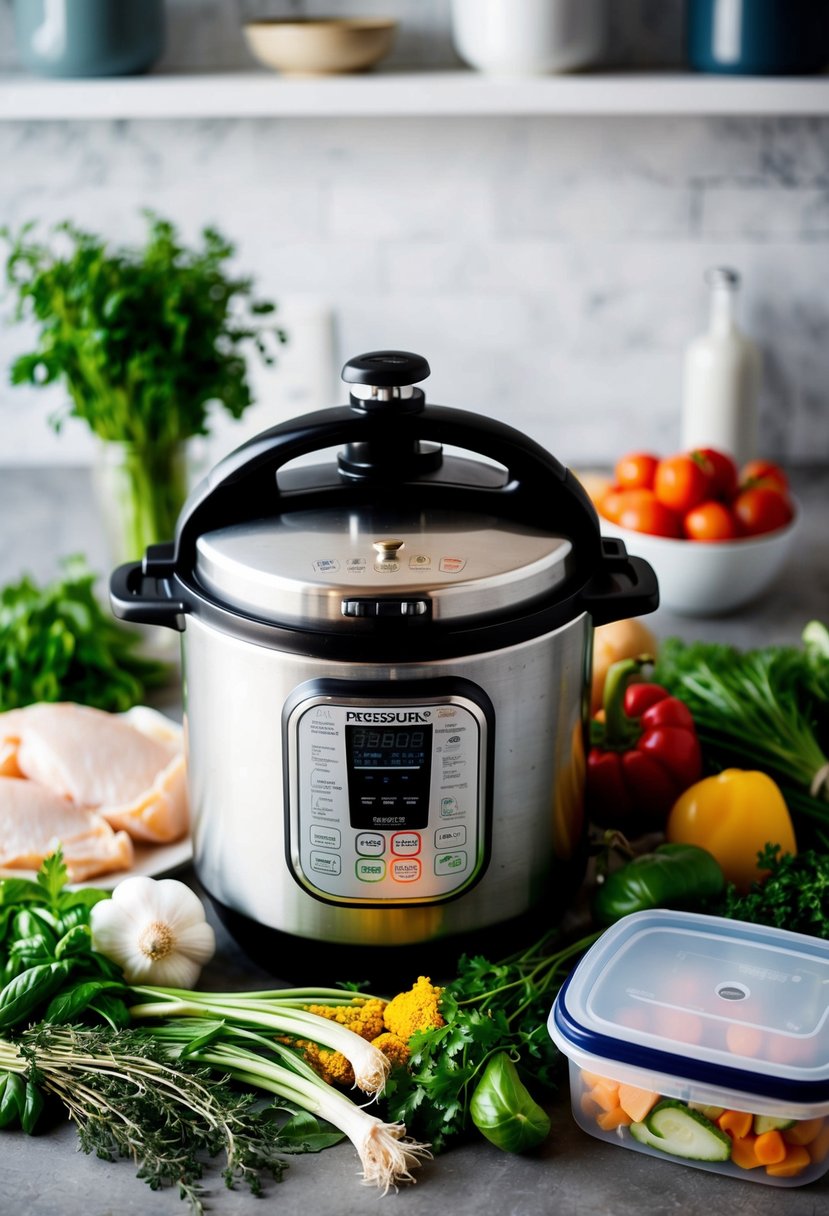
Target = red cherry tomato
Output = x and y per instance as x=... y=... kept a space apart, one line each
x=681 y=482
x=636 y=470
x=641 y=511
x=609 y=504
x=761 y=509
x=722 y=472
x=710 y=521
x=763 y=473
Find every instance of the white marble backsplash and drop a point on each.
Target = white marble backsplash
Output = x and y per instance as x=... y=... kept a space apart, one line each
x=550 y=269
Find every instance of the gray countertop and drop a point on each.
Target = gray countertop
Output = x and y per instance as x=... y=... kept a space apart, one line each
x=49 y=513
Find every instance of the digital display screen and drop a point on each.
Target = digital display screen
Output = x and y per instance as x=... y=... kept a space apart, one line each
x=388 y=776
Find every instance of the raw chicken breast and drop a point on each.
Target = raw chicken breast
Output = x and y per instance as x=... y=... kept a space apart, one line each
x=33 y=821
x=134 y=778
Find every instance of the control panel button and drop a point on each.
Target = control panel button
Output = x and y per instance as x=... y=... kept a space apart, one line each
x=325 y=863
x=449 y=808
x=420 y=561
x=370 y=870
x=452 y=565
x=450 y=838
x=326 y=565
x=405 y=844
x=325 y=838
x=451 y=863
x=405 y=870
x=370 y=844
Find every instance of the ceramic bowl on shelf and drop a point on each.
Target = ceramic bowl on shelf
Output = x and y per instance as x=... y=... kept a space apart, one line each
x=698 y=578
x=320 y=46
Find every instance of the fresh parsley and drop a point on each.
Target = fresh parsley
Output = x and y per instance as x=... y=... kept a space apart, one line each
x=794 y=895
x=145 y=339
x=488 y=1007
x=58 y=644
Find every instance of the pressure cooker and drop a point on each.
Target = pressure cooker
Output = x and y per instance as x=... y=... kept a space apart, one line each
x=386 y=612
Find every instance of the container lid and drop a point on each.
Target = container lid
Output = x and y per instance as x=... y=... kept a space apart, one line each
x=718 y=1002
x=313 y=567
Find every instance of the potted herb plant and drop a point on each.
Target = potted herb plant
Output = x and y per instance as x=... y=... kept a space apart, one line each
x=144 y=341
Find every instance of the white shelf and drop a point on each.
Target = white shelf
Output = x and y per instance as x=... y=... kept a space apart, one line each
x=407 y=94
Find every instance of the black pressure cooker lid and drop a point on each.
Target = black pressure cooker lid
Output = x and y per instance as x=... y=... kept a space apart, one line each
x=408 y=529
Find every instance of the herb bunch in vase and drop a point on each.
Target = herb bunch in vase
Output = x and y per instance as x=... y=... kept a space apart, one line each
x=145 y=341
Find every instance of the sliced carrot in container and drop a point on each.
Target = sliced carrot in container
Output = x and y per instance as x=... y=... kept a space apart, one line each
x=605 y=1094
x=819 y=1147
x=737 y=1123
x=636 y=1102
x=803 y=1132
x=592 y=1078
x=609 y=1120
x=743 y=1154
x=770 y=1148
x=795 y=1161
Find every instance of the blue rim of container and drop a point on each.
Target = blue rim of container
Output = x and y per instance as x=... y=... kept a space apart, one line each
x=614 y=1050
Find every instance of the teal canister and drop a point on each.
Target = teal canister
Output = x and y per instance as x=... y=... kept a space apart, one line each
x=89 y=37
x=758 y=37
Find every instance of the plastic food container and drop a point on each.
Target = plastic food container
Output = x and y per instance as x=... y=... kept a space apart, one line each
x=702 y=1041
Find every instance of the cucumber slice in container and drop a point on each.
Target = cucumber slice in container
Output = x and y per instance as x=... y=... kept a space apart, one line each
x=672 y=1128
x=771 y=1123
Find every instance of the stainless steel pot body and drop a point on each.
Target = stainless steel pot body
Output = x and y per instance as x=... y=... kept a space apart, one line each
x=236 y=692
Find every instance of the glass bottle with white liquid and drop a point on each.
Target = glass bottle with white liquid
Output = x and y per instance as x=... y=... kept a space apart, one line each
x=721 y=378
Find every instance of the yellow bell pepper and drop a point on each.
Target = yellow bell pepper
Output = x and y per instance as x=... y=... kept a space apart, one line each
x=733 y=815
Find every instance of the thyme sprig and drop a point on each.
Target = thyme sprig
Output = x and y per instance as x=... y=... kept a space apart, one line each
x=129 y=1099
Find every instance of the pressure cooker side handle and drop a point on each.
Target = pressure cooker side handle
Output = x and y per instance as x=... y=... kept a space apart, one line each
x=623 y=586
x=243 y=485
x=145 y=600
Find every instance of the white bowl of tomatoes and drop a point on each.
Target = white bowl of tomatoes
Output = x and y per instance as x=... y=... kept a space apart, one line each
x=716 y=536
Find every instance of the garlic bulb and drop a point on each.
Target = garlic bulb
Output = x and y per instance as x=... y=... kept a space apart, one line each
x=155 y=930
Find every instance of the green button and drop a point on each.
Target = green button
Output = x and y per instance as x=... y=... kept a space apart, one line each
x=370 y=869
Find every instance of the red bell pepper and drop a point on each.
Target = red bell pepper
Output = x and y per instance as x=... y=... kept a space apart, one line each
x=643 y=755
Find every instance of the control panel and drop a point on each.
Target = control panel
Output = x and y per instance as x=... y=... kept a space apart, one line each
x=387 y=800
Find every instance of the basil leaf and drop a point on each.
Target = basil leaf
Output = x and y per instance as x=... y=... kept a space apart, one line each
x=302 y=1133
x=504 y=1111
x=79 y=902
x=26 y=991
x=12 y=1099
x=33 y=1104
x=71 y=1002
x=112 y=1009
x=37 y=944
x=77 y=941
x=70 y=918
x=19 y=891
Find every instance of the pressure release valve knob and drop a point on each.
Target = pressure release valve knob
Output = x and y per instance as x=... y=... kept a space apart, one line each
x=385 y=375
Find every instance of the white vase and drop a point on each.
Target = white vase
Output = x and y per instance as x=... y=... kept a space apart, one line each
x=529 y=37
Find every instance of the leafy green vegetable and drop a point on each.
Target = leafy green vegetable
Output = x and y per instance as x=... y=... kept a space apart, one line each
x=795 y=895
x=761 y=709
x=58 y=644
x=101 y=1076
x=129 y=1100
x=143 y=339
x=504 y=1111
x=488 y=1008
x=41 y=970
